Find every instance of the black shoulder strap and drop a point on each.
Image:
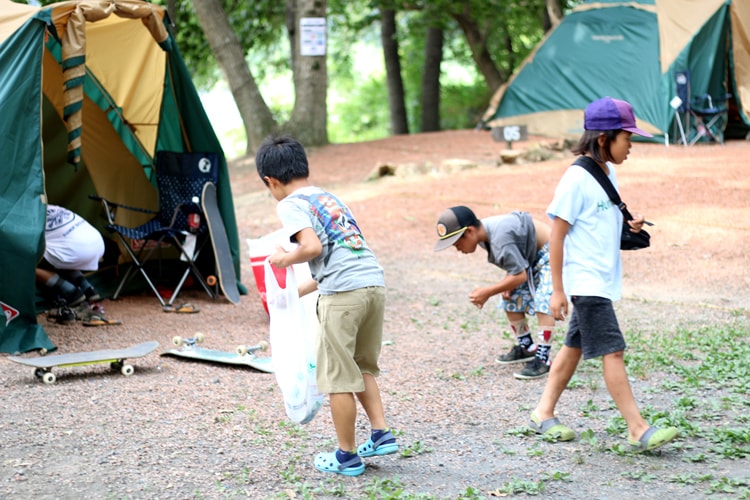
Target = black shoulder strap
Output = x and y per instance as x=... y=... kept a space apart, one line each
x=596 y=171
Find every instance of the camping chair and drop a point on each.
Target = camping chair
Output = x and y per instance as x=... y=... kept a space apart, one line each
x=710 y=119
x=180 y=178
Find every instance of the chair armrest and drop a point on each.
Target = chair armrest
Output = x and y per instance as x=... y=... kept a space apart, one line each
x=110 y=207
x=113 y=204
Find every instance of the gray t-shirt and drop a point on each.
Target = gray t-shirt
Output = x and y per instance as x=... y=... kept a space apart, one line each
x=346 y=262
x=512 y=241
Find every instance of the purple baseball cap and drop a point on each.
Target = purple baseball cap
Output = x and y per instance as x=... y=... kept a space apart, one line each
x=611 y=114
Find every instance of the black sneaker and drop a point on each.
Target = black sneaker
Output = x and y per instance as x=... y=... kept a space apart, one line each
x=536 y=368
x=517 y=354
x=65 y=315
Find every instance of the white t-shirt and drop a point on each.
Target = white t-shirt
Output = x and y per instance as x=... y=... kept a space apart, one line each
x=71 y=242
x=591 y=260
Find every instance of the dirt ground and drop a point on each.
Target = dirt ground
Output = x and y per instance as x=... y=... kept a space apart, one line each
x=181 y=429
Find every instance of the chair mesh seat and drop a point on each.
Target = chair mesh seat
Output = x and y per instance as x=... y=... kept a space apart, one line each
x=180 y=178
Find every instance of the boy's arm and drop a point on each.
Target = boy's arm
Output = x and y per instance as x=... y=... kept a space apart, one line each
x=558 y=301
x=308 y=247
x=306 y=287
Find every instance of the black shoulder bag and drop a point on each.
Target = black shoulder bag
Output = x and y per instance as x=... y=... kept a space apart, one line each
x=628 y=239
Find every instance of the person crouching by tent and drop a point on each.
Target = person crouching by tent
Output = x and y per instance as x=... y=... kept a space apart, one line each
x=517 y=244
x=72 y=246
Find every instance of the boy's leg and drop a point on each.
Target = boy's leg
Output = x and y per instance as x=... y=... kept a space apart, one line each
x=561 y=372
x=344 y=416
x=618 y=386
x=79 y=280
x=55 y=285
x=538 y=303
x=524 y=348
x=540 y=365
x=382 y=441
x=339 y=376
x=371 y=402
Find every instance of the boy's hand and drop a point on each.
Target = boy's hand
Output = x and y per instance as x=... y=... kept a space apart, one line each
x=558 y=305
x=637 y=222
x=278 y=258
x=478 y=297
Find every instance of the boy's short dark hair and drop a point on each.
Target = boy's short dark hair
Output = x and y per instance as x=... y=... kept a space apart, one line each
x=589 y=143
x=283 y=158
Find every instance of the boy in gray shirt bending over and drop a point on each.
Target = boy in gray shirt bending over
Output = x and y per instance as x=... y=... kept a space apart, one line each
x=517 y=244
x=351 y=303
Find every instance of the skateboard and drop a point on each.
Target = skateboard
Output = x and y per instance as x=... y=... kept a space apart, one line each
x=115 y=357
x=244 y=355
x=227 y=278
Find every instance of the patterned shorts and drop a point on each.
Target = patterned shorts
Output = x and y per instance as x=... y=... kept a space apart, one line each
x=522 y=299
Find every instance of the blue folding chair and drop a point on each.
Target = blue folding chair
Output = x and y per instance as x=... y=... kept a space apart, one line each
x=710 y=117
x=180 y=178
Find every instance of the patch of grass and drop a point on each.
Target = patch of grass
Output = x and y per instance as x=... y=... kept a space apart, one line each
x=590 y=409
x=642 y=476
x=731 y=443
x=415 y=449
x=727 y=485
x=518 y=486
x=689 y=478
x=471 y=494
x=390 y=489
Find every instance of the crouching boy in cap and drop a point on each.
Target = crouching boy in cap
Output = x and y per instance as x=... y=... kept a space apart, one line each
x=517 y=244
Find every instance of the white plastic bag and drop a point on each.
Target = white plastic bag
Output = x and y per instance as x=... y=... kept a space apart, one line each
x=293 y=329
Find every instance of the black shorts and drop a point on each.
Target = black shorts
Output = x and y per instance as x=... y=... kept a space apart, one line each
x=593 y=327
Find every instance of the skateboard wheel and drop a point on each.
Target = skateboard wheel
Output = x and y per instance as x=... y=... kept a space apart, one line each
x=199 y=338
x=211 y=280
x=242 y=350
x=127 y=370
x=177 y=341
x=49 y=378
x=263 y=345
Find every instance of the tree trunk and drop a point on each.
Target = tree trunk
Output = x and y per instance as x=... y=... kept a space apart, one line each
x=396 y=103
x=256 y=116
x=479 y=51
x=309 y=118
x=554 y=14
x=431 y=80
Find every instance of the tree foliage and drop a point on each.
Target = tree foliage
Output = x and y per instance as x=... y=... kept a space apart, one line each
x=484 y=41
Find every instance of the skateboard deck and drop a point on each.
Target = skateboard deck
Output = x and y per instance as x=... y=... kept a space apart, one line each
x=243 y=356
x=224 y=265
x=115 y=357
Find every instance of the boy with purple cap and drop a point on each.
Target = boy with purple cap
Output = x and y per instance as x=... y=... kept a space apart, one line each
x=585 y=261
x=517 y=244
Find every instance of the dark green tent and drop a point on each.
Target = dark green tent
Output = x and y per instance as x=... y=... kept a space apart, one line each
x=643 y=51
x=93 y=128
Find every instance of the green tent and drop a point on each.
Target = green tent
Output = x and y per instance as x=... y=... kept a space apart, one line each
x=642 y=51
x=89 y=92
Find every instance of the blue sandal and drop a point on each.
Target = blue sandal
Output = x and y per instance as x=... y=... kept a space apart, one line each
x=379 y=447
x=328 y=462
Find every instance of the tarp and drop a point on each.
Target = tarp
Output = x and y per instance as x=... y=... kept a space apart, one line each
x=89 y=92
x=631 y=50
